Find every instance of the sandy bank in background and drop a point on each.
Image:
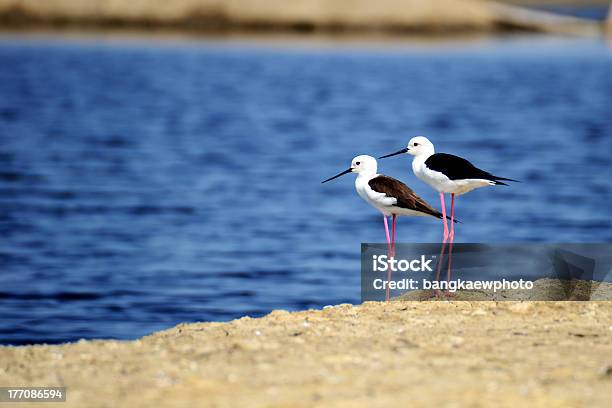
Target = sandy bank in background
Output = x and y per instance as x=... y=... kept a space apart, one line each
x=245 y=12
x=397 y=16
x=543 y=354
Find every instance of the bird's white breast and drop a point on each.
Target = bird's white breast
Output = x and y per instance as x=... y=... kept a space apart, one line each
x=378 y=200
x=435 y=179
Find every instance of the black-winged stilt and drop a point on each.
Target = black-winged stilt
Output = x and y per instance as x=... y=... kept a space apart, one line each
x=446 y=173
x=388 y=195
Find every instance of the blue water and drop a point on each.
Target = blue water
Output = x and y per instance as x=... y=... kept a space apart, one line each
x=143 y=183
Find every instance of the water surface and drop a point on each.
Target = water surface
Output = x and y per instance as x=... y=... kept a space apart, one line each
x=144 y=184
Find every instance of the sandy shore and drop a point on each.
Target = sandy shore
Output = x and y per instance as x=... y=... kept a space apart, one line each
x=543 y=354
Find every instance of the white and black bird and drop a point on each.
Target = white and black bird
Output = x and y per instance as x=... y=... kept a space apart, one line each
x=446 y=173
x=386 y=194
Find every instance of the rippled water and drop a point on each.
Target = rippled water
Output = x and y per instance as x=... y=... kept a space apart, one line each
x=145 y=184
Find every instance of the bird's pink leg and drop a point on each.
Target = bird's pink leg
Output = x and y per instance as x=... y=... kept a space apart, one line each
x=388 y=255
x=439 y=268
x=388 y=236
x=451 y=237
x=452 y=220
x=393 y=225
x=444 y=240
x=444 y=217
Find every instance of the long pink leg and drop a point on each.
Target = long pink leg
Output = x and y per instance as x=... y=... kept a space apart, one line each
x=452 y=220
x=444 y=216
x=451 y=236
x=388 y=236
x=439 y=266
x=393 y=226
x=389 y=255
x=444 y=239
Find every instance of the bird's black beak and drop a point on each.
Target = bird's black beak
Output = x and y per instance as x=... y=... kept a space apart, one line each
x=337 y=175
x=394 y=154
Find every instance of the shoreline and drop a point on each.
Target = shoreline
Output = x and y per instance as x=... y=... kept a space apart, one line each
x=348 y=41
x=374 y=354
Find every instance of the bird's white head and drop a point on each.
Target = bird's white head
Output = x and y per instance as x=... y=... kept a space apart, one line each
x=362 y=165
x=419 y=146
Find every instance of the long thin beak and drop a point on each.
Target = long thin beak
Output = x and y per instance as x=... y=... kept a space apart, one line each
x=396 y=153
x=337 y=175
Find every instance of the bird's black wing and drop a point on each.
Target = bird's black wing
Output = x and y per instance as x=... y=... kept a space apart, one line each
x=406 y=198
x=458 y=168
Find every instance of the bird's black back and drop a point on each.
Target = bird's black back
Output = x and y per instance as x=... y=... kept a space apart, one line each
x=456 y=168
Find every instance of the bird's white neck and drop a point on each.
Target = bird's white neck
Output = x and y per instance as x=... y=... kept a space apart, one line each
x=419 y=159
x=427 y=151
x=366 y=176
x=361 y=182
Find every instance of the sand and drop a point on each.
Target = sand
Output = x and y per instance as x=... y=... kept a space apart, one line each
x=433 y=354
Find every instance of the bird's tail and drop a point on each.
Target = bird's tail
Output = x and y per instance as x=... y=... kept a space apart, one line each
x=455 y=220
x=496 y=180
x=439 y=215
